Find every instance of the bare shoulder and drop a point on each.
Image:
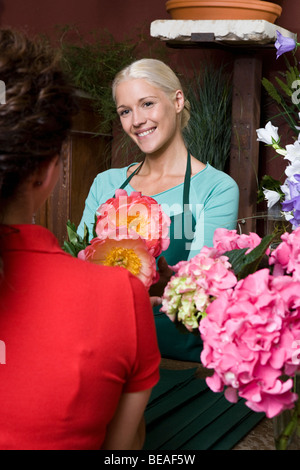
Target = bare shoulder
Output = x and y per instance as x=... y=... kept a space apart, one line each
x=197 y=166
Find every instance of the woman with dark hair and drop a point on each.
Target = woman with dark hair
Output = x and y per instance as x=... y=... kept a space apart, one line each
x=81 y=356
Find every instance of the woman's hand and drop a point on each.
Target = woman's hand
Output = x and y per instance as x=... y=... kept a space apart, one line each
x=155 y=301
x=165 y=273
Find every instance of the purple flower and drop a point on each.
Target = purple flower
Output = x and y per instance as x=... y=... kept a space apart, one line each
x=293 y=204
x=284 y=44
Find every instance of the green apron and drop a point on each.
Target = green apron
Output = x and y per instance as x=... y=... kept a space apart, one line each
x=173 y=343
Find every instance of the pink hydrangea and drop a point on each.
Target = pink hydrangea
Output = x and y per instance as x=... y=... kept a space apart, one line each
x=195 y=284
x=198 y=281
x=249 y=336
x=227 y=240
x=286 y=257
x=137 y=214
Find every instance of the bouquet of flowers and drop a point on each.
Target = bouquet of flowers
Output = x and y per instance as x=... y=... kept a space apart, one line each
x=251 y=333
x=129 y=231
x=198 y=281
x=244 y=300
x=190 y=291
x=211 y=273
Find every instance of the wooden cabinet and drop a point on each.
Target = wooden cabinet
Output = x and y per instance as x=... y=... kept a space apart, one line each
x=85 y=154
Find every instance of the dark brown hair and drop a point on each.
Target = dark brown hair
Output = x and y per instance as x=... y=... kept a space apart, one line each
x=38 y=108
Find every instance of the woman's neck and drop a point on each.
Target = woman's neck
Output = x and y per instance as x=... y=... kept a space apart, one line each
x=15 y=212
x=171 y=161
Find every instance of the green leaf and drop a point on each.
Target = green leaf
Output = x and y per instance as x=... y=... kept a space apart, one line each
x=267 y=182
x=243 y=264
x=75 y=243
x=282 y=92
x=271 y=90
x=285 y=88
x=86 y=235
x=255 y=256
x=72 y=233
x=210 y=96
x=292 y=75
x=69 y=248
x=236 y=259
x=94 y=226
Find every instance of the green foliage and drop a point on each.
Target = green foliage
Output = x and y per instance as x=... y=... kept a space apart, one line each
x=267 y=182
x=75 y=242
x=284 y=93
x=208 y=134
x=243 y=264
x=92 y=66
x=272 y=90
x=93 y=63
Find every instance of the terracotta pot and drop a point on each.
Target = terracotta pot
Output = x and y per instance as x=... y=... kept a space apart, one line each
x=223 y=10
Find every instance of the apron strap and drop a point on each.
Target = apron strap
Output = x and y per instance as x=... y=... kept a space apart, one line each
x=131 y=176
x=187 y=180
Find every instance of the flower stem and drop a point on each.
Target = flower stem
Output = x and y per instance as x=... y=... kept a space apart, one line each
x=284 y=438
x=293 y=426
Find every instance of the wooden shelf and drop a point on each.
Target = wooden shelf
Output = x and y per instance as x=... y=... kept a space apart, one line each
x=225 y=33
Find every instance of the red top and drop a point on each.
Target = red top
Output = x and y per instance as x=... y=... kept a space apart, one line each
x=76 y=336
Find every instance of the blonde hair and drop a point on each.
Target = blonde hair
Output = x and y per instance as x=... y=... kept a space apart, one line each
x=158 y=74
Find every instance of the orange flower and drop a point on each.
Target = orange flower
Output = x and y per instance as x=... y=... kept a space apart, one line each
x=140 y=215
x=129 y=253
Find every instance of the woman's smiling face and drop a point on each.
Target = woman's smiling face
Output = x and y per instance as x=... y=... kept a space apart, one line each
x=147 y=114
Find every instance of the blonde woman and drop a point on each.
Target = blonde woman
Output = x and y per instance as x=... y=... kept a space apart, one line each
x=153 y=111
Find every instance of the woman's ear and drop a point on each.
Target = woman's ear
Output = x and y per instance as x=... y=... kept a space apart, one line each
x=179 y=100
x=46 y=174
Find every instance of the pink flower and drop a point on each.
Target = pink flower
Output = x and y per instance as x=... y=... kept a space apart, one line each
x=226 y=240
x=249 y=334
x=130 y=253
x=286 y=257
x=136 y=214
x=251 y=328
x=194 y=286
